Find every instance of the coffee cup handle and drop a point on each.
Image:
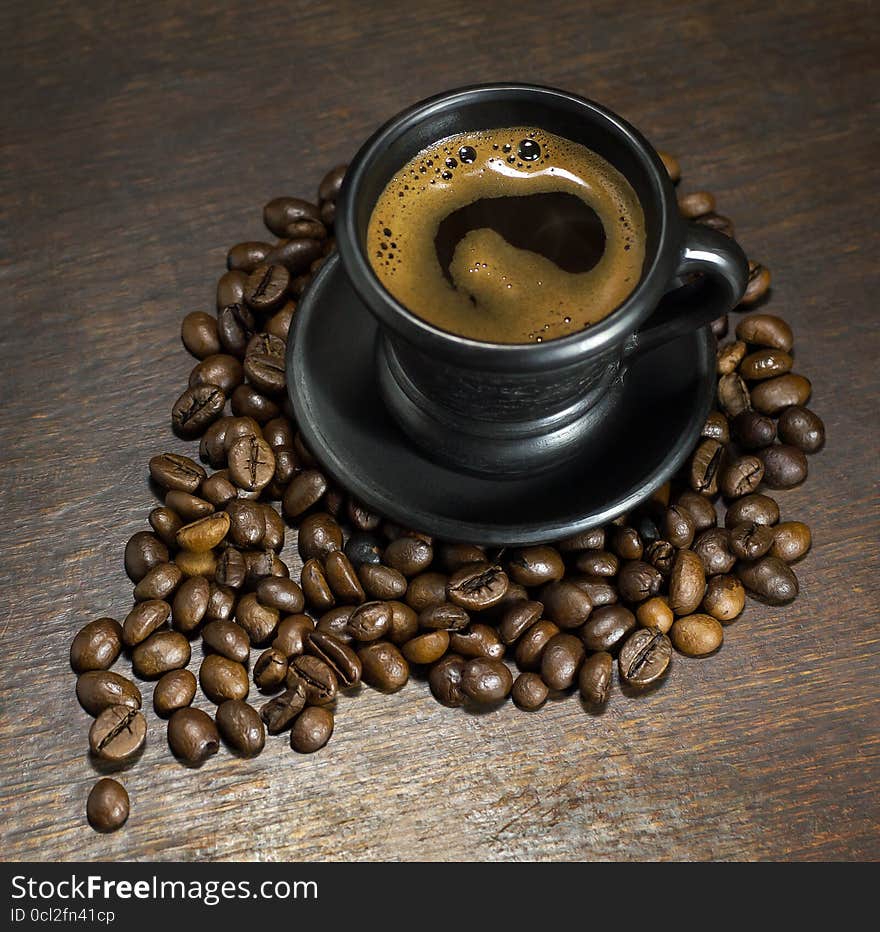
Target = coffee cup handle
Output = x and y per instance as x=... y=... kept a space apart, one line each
x=723 y=275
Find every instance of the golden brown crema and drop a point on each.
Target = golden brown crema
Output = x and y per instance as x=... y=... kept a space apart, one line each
x=472 y=235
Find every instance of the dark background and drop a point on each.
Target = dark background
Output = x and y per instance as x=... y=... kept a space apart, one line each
x=140 y=140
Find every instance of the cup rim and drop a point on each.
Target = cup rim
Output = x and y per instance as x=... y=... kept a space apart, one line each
x=396 y=317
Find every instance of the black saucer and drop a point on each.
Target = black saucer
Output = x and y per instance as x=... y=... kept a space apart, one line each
x=330 y=373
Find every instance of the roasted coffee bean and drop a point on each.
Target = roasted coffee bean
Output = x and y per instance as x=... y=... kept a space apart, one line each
x=230 y=288
x=296 y=254
x=96 y=645
x=306 y=229
x=143 y=551
x=594 y=679
x=260 y=621
x=750 y=541
x=291 y=634
x=753 y=431
x=246 y=401
x=638 y=581
x=382 y=582
x=262 y=564
x=791 y=541
x=705 y=467
x=247 y=256
x=160 y=652
x=198 y=331
x=785 y=466
x=801 y=428
x=266 y=286
x=304 y=492
x=188 y=507
x=532 y=642
x=319 y=535
x=222 y=678
x=338 y=655
x=607 y=627
x=755 y=508
x=360 y=517
x=212 y=447
x=343 y=579
x=145 y=618
x=251 y=463
x=384 y=667
x=445 y=681
x=733 y=395
x=409 y=555
x=696 y=204
x=222 y=370
x=96 y=690
x=518 y=618
x=600 y=589
x=192 y=736
x=741 y=476
x=593 y=539
x=247 y=523
x=644 y=657
x=700 y=509
x=235 y=326
x=766 y=330
x=486 y=681
x=687 y=583
x=716 y=427
x=196 y=562
x=564 y=604
x=661 y=555
x=428 y=647
x=712 y=546
x=279 y=713
x=772 y=396
x=231 y=569
x=717 y=222
x=765 y=364
x=445 y=615
x=176 y=689
x=477 y=640
x=656 y=613
x=173 y=471
x=670 y=163
x=318 y=594
x=597 y=563
x=319 y=680
x=107 y=807
x=425 y=590
x=697 y=635
x=678 y=526
x=769 y=580
x=328 y=190
x=362 y=548
x=241 y=727
x=534 y=566
x=166 y=523
x=529 y=692
x=205 y=533
x=404 y=623
x=270 y=670
x=370 y=621
x=724 y=598
x=729 y=356
x=312 y=729
x=758 y=283
x=195 y=409
x=118 y=733
x=335 y=621
x=238 y=427
x=273 y=539
x=227 y=639
x=477 y=586
x=625 y=542
x=264 y=363
x=281 y=594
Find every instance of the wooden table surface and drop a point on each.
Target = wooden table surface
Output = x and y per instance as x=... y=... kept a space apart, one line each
x=141 y=140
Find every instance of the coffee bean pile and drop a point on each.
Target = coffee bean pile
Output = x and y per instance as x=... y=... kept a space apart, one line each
x=376 y=601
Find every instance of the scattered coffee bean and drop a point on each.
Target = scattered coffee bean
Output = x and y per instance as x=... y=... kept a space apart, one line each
x=270 y=670
x=656 y=613
x=338 y=655
x=529 y=691
x=222 y=370
x=644 y=658
x=791 y=541
x=534 y=566
x=192 y=736
x=716 y=427
x=772 y=396
x=801 y=428
x=607 y=627
x=729 y=356
x=96 y=645
x=725 y=598
x=176 y=689
x=706 y=466
x=173 y=471
x=766 y=330
x=107 y=807
x=195 y=409
x=428 y=647
x=316 y=676
x=477 y=586
x=753 y=430
x=311 y=730
x=142 y=552
x=697 y=635
x=741 y=476
x=755 y=508
x=279 y=713
x=118 y=733
x=160 y=652
x=96 y=690
x=205 y=533
x=769 y=580
x=679 y=525
x=384 y=667
x=260 y=621
x=145 y=618
x=785 y=466
x=241 y=727
x=638 y=581
x=750 y=541
x=370 y=621
x=765 y=364
x=487 y=681
x=733 y=395
x=343 y=579
x=687 y=583
x=291 y=634
x=166 y=523
x=199 y=334
x=532 y=642
x=594 y=679
x=758 y=283
x=477 y=640
x=222 y=678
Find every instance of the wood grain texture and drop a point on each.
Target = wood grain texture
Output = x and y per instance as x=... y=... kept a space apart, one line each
x=140 y=141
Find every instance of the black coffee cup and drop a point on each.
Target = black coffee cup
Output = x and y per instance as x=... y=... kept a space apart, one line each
x=506 y=409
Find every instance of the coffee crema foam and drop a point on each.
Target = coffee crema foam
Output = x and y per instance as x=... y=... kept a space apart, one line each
x=494 y=291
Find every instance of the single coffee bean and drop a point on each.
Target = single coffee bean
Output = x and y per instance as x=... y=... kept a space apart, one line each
x=279 y=213
x=758 y=283
x=266 y=286
x=384 y=666
x=222 y=370
x=409 y=555
x=638 y=581
x=317 y=677
x=338 y=655
x=222 y=678
x=564 y=604
x=96 y=690
x=670 y=163
x=96 y=645
x=656 y=613
x=318 y=594
x=199 y=334
x=741 y=476
x=241 y=727
x=644 y=657
x=750 y=541
x=594 y=679
x=291 y=634
x=235 y=327
x=343 y=579
x=173 y=471
x=247 y=523
x=306 y=229
x=279 y=713
x=230 y=288
x=264 y=363
x=697 y=635
x=717 y=427
x=335 y=621
x=195 y=409
x=733 y=395
x=593 y=539
x=712 y=546
x=753 y=430
x=270 y=670
x=370 y=621
x=189 y=507
x=231 y=568
x=519 y=617
x=273 y=539
x=477 y=640
x=166 y=523
x=791 y=541
x=725 y=598
x=296 y=254
x=145 y=618
x=319 y=535
x=532 y=642
x=118 y=733
x=679 y=526
x=561 y=660
x=625 y=542
x=143 y=551
x=261 y=564
x=705 y=467
x=260 y=621
x=425 y=590
x=444 y=681
x=477 y=586
x=696 y=204
x=700 y=509
x=445 y=616
x=246 y=401
x=160 y=652
x=221 y=603
x=251 y=463
x=772 y=396
x=427 y=648
x=328 y=190
x=764 y=364
x=661 y=555
x=311 y=730
x=382 y=582
x=607 y=627
x=304 y=492
x=755 y=508
x=362 y=548
x=404 y=623
x=280 y=593
x=801 y=428
x=247 y=256
x=227 y=639
x=687 y=583
x=192 y=736
x=534 y=566
x=212 y=449
x=107 y=807
x=488 y=681
x=729 y=357
x=529 y=692
x=785 y=466
x=176 y=689
x=597 y=563
x=205 y=533
x=769 y=580
x=766 y=330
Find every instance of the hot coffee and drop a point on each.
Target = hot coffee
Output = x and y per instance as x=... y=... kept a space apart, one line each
x=510 y=235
